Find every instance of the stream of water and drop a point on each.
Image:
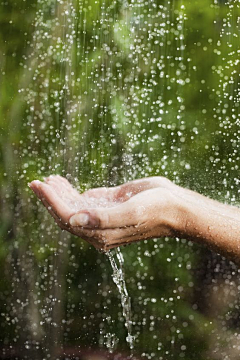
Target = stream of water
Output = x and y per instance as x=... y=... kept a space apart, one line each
x=118 y=277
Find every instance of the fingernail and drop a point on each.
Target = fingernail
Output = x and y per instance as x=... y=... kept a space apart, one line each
x=79 y=220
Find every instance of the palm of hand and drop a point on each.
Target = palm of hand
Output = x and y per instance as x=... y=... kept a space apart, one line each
x=105 y=217
x=63 y=201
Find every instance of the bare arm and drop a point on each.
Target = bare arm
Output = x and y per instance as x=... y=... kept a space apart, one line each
x=215 y=225
x=142 y=209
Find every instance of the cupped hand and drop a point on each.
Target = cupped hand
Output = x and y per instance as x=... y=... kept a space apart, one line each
x=110 y=217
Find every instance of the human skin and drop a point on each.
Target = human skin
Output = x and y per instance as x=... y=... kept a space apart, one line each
x=142 y=209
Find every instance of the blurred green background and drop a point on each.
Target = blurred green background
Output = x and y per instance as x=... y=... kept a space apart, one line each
x=103 y=92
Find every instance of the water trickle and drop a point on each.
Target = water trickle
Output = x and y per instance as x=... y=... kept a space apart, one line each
x=119 y=279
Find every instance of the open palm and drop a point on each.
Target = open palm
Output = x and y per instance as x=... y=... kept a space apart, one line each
x=63 y=201
x=105 y=217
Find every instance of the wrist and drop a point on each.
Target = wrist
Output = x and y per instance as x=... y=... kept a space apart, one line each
x=192 y=219
x=180 y=219
x=173 y=215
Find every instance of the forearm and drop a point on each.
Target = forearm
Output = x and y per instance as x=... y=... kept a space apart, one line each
x=202 y=200
x=215 y=225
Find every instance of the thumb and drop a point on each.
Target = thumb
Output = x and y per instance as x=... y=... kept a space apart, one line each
x=108 y=218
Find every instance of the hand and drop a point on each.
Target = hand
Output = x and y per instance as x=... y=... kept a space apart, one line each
x=110 y=217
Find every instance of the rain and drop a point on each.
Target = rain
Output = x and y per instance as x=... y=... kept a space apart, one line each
x=103 y=92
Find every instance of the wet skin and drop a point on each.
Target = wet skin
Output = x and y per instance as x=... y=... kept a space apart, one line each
x=141 y=209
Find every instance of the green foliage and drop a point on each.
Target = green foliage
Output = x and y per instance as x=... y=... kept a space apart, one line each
x=103 y=92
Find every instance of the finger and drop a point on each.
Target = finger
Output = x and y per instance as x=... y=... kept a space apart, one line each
x=59 y=207
x=126 y=242
x=56 y=218
x=100 y=245
x=129 y=239
x=61 y=191
x=108 y=239
x=58 y=182
x=57 y=178
x=69 y=195
x=49 y=208
x=64 y=181
x=111 y=235
x=55 y=185
x=67 y=186
x=125 y=214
